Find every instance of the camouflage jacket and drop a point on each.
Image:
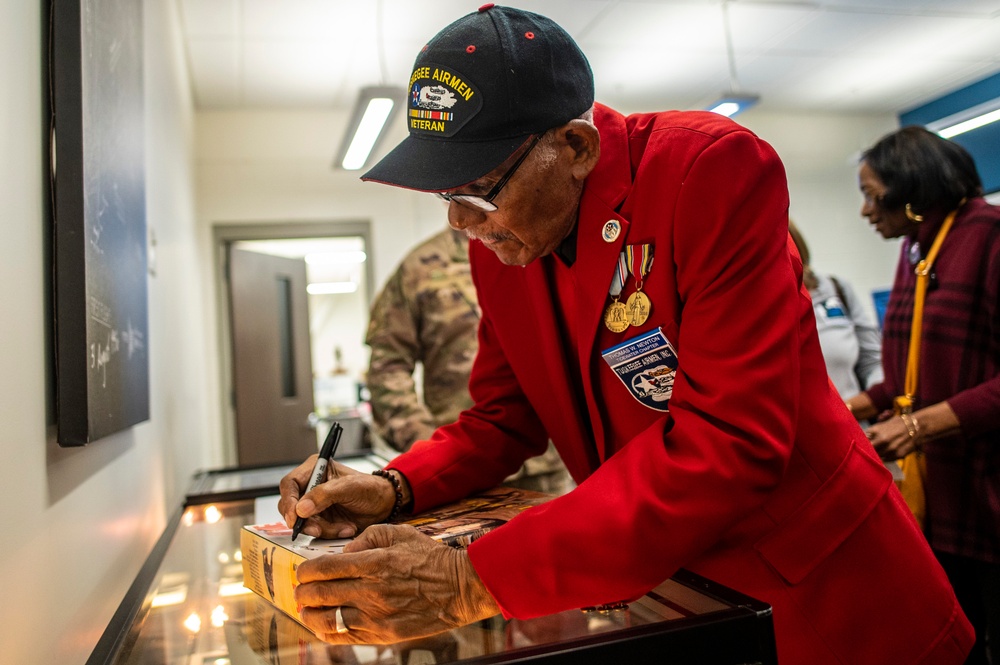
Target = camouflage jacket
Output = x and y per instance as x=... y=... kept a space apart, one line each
x=427 y=313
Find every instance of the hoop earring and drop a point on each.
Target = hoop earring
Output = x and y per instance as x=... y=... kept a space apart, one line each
x=912 y=216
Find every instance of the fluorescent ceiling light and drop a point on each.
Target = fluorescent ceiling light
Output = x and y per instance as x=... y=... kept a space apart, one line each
x=368 y=122
x=734 y=102
x=376 y=113
x=730 y=106
x=967 y=120
x=326 y=288
x=971 y=124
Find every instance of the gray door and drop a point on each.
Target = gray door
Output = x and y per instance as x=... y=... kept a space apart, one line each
x=272 y=363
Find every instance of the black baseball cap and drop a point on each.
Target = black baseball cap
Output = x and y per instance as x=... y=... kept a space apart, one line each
x=479 y=89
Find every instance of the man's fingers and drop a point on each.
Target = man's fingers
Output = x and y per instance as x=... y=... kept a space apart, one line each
x=328 y=593
x=341 y=567
x=378 y=536
x=324 y=495
x=291 y=487
x=323 y=622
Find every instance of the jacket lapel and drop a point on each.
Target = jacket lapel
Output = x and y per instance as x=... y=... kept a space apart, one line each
x=597 y=253
x=564 y=412
x=596 y=263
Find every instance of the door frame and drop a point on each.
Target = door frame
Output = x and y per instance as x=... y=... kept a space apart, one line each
x=224 y=235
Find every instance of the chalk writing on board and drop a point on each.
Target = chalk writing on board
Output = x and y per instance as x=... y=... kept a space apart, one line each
x=96 y=226
x=104 y=350
x=100 y=356
x=100 y=311
x=133 y=338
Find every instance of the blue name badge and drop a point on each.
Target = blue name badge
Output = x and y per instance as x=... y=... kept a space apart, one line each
x=646 y=365
x=834 y=308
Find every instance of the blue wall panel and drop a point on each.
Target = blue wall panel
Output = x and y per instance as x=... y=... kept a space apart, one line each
x=982 y=143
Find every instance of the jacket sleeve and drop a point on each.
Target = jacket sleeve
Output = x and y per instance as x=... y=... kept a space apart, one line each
x=394 y=337
x=489 y=441
x=676 y=489
x=978 y=408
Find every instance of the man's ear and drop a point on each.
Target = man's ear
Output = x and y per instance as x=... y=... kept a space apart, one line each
x=584 y=140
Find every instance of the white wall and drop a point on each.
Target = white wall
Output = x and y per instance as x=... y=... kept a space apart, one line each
x=820 y=153
x=78 y=523
x=272 y=166
x=277 y=166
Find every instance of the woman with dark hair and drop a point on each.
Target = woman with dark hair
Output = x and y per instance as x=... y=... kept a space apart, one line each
x=945 y=304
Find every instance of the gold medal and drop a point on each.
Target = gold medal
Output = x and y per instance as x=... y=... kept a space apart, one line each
x=615 y=316
x=638 y=308
x=639 y=259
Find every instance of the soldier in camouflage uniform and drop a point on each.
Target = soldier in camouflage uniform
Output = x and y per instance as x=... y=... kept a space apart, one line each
x=427 y=313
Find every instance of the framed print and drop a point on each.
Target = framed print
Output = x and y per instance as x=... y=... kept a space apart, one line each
x=99 y=218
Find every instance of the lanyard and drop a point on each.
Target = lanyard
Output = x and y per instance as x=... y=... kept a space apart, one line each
x=904 y=403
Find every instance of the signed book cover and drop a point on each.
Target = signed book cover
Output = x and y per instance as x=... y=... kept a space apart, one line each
x=270 y=558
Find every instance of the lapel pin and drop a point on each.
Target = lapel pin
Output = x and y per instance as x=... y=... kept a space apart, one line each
x=611 y=230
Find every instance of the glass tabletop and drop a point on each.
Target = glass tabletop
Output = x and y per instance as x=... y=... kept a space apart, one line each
x=196 y=611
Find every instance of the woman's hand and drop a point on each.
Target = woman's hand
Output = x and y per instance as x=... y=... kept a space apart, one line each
x=861 y=406
x=892 y=439
x=896 y=436
x=392 y=583
x=345 y=504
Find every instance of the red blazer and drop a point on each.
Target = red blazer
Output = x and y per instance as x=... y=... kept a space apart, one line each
x=757 y=476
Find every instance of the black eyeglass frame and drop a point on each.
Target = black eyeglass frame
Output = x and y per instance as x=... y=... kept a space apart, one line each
x=484 y=202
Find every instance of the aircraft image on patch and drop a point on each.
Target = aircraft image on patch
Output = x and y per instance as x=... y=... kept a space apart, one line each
x=436 y=97
x=657 y=383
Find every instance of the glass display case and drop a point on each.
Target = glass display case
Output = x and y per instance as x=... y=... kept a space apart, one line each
x=188 y=606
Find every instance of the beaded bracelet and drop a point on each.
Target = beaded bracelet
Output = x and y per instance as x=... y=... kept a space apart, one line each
x=398 y=505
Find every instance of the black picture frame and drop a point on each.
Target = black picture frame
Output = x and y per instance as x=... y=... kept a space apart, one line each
x=97 y=166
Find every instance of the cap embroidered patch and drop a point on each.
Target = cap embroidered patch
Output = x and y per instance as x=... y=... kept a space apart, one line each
x=478 y=90
x=441 y=101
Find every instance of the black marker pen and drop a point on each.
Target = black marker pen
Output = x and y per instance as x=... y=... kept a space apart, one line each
x=328 y=450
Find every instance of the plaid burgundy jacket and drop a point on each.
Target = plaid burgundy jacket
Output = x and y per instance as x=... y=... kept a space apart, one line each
x=960 y=363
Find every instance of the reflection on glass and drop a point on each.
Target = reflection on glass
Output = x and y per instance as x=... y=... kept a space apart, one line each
x=199 y=613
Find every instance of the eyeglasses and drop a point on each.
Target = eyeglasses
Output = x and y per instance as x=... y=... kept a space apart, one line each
x=484 y=202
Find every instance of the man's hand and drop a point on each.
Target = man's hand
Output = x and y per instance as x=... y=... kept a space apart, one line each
x=392 y=583
x=342 y=506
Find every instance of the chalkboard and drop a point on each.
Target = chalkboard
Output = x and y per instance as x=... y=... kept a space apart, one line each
x=99 y=234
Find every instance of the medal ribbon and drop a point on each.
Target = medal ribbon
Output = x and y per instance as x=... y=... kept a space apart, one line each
x=618 y=280
x=640 y=262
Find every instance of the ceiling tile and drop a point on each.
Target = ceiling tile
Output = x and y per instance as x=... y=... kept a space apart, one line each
x=855 y=55
x=308 y=19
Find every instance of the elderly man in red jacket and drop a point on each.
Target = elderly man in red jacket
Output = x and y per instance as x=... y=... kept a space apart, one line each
x=643 y=309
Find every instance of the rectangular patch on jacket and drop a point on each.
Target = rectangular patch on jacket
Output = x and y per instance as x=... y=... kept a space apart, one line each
x=646 y=365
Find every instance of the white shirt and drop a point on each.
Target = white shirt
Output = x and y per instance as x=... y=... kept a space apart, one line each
x=851 y=343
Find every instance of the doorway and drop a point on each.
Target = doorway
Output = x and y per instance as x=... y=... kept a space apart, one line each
x=267 y=342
